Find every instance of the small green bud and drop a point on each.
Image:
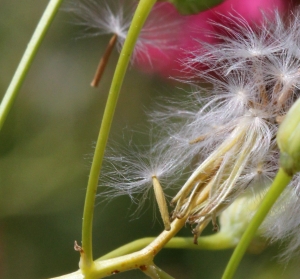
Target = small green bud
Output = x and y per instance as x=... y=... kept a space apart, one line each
x=288 y=140
x=235 y=219
x=188 y=7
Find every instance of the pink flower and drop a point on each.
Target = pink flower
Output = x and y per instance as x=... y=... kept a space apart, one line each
x=194 y=28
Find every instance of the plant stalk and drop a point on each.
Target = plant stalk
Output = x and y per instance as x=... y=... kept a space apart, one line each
x=143 y=9
x=28 y=56
x=280 y=182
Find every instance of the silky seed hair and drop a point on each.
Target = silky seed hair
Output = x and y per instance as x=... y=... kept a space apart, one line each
x=113 y=17
x=254 y=75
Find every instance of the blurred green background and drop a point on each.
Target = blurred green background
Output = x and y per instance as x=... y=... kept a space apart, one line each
x=46 y=148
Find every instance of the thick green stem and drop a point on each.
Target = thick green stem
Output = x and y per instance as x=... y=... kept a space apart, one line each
x=141 y=14
x=26 y=61
x=280 y=182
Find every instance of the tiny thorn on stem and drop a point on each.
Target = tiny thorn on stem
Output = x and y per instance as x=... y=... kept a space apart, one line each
x=103 y=61
x=77 y=247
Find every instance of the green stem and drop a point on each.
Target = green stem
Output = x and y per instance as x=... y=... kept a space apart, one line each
x=126 y=258
x=143 y=9
x=127 y=248
x=218 y=241
x=135 y=260
x=162 y=274
x=155 y=272
x=280 y=182
x=28 y=56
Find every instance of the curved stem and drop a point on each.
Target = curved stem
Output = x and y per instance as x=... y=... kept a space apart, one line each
x=218 y=241
x=142 y=12
x=28 y=56
x=126 y=257
x=127 y=248
x=280 y=182
x=138 y=259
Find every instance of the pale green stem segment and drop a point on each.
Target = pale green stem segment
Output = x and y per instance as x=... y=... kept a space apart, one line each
x=135 y=260
x=218 y=241
x=280 y=182
x=28 y=56
x=154 y=272
x=143 y=9
x=162 y=274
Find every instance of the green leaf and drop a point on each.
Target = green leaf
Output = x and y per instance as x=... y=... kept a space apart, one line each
x=188 y=7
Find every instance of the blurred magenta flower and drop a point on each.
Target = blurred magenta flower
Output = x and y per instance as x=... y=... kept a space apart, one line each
x=194 y=28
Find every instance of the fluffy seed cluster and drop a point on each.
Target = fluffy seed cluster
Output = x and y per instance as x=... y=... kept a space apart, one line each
x=226 y=128
x=253 y=76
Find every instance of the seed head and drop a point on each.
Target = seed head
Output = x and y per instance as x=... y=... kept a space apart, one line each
x=254 y=80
